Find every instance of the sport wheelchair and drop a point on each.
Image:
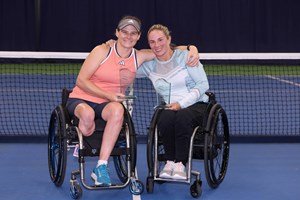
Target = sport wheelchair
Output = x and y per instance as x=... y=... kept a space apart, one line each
x=209 y=142
x=64 y=134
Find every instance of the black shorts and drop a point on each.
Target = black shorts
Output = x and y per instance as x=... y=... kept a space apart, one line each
x=73 y=102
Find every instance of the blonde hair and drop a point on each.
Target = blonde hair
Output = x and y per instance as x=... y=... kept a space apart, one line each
x=164 y=29
x=160 y=27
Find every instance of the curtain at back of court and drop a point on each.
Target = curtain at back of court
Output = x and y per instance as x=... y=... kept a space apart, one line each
x=214 y=26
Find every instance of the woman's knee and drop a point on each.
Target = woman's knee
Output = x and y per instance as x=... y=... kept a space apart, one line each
x=85 y=112
x=113 y=111
x=86 y=116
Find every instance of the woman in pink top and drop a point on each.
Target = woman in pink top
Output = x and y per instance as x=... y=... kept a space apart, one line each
x=97 y=91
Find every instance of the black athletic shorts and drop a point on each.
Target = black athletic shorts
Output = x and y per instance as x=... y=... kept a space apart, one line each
x=73 y=102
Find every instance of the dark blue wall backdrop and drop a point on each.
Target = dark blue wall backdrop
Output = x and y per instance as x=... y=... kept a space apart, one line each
x=212 y=25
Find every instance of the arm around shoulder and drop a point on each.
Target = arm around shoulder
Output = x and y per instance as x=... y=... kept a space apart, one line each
x=193 y=55
x=144 y=55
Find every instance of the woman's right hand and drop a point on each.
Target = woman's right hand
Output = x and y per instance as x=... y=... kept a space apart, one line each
x=117 y=97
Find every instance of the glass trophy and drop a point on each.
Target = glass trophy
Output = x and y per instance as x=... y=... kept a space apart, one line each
x=163 y=92
x=127 y=78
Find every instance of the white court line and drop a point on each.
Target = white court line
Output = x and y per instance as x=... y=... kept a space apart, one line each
x=283 y=80
x=136 y=197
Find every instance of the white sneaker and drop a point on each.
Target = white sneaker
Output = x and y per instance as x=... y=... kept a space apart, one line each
x=167 y=170
x=179 y=171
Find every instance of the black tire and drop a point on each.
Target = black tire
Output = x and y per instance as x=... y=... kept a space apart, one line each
x=57 y=146
x=121 y=167
x=151 y=143
x=75 y=191
x=195 y=189
x=216 y=146
x=132 y=139
x=120 y=161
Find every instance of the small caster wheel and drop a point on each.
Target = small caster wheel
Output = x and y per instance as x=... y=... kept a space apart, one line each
x=136 y=187
x=75 y=190
x=195 y=189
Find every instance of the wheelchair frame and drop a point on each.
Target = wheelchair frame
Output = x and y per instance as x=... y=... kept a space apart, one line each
x=64 y=134
x=214 y=149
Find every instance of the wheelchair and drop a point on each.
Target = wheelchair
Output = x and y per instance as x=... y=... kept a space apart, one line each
x=209 y=142
x=64 y=134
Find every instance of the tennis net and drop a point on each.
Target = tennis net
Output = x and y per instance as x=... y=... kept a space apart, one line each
x=260 y=92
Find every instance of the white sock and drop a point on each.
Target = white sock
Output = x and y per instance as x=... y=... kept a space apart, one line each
x=101 y=162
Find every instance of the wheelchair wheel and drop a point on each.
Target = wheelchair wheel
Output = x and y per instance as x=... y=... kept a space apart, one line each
x=120 y=161
x=57 y=146
x=132 y=140
x=216 y=146
x=151 y=156
x=121 y=167
x=151 y=143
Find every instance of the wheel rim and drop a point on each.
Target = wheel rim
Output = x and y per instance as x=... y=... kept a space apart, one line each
x=53 y=149
x=217 y=149
x=57 y=146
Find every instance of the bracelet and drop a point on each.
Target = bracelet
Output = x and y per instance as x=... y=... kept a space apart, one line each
x=188 y=47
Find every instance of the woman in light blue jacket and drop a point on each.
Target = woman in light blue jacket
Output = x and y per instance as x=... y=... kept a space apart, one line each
x=183 y=90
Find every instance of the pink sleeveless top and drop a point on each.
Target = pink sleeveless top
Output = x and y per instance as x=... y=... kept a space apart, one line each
x=114 y=74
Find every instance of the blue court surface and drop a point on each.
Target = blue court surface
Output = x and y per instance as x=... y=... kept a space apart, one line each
x=256 y=172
